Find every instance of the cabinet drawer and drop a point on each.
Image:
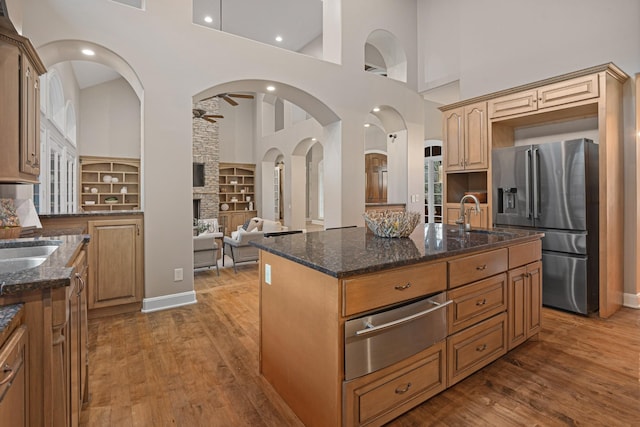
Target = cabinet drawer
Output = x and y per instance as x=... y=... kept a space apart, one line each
x=378 y=400
x=14 y=406
x=573 y=90
x=475 y=267
x=476 y=347
x=476 y=302
x=521 y=102
x=525 y=253
x=388 y=287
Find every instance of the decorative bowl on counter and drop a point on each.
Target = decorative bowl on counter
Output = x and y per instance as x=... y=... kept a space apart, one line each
x=391 y=223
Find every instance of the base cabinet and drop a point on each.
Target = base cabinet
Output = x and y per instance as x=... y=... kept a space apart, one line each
x=115 y=262
x=525 y=301
x=14 y=380
x=377 y=398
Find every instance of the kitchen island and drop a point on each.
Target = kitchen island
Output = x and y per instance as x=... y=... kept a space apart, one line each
x=313 y=285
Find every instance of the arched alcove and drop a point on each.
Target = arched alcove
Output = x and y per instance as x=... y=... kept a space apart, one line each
x=384 y=55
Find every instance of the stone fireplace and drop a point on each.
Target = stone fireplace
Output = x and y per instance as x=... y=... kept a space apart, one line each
x=206 y=150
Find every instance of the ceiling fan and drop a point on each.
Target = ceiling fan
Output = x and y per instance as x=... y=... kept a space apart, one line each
x=199 y=113
x=228 y=97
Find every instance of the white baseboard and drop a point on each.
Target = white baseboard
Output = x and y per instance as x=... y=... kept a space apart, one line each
x=631 y=300
x=165 y=302
x=317 y=221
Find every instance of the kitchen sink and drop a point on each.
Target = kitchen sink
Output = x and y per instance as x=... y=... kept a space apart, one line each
x=27 y=252
x=17 y=258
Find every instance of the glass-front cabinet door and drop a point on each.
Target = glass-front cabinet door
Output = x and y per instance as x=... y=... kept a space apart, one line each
x=433 y=181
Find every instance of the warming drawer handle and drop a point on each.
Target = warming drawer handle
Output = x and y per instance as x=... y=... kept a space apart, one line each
x=371 y=328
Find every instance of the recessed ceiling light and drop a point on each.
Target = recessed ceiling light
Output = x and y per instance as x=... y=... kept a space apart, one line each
x=208 y=19
x=88 y=52
x=367 y=125
x=376 y=109
x=271 y=88
x=313 y=139
x=278 y=39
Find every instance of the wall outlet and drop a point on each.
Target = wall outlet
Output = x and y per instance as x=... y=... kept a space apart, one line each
x=267 y=274
x=177 y=275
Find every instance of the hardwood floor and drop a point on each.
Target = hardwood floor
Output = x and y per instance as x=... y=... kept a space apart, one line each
x=198 y=366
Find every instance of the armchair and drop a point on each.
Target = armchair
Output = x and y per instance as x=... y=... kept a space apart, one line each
x=205 y=247
x=237 y=246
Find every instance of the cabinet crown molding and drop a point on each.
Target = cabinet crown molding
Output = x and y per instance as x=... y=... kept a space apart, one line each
x=609 y=67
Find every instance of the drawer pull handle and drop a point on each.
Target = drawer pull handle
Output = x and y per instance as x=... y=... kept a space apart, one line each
x=481 y=267
x=402 y=287
x=369 y=327
x=6 y=368
x=483 y=301
x=482 y=347
x=403 y=390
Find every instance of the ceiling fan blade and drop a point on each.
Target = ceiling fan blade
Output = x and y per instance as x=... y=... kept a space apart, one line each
x=209 y=120
x=213 y=116
x=241 y=95
x=229 y=100
x=209 y=97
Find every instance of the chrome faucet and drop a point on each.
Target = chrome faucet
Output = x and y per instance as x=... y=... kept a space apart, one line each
x=466 y=225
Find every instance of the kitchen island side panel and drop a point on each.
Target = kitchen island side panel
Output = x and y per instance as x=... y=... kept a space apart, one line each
x=301 y=338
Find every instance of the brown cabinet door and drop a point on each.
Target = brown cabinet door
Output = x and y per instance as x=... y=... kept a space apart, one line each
x=525 y=303
x=115 y=262
x=454 y=140
x=14 y=406
x=475 y=137
x=573 y=90
x=376 y=178
x=521 y=102
x=29 y=119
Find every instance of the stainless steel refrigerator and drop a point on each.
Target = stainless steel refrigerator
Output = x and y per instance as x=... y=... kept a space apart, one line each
x=554 y=188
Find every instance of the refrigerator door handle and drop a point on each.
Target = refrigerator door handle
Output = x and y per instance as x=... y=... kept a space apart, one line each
x=527 y=183
x=536 y=183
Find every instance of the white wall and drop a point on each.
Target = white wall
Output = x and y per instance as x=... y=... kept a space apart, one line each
x=109 y=123
x=236 y=131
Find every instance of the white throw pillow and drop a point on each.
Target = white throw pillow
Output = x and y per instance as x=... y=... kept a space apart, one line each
x=269 y=226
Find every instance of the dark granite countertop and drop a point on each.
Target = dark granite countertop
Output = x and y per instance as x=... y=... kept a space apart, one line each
x=52 y=273
x=351 y=251
x=9 y=315
x=90 y=213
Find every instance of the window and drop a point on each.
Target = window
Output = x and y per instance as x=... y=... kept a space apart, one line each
x=57 y=191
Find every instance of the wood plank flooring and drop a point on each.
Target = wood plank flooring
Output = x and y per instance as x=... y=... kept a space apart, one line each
x=198 y=366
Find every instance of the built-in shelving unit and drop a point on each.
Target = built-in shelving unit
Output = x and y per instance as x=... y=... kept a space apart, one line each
x=109 y=184
x=237 y=194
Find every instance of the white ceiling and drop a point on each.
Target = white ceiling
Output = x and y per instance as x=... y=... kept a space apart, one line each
x=297 y=21
x=91 y=73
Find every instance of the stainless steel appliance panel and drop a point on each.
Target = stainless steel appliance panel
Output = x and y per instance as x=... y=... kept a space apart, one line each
x=564 y=282
x=384 y=338
x=512 y=198
x=560 y=188
x=572 y=242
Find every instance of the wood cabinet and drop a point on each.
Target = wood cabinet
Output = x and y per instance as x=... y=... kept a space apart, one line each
x=465 y=138
x=109 y=183
x=78 y=340
x=372 y=291
x=237 y=184
x=552 y=95
x=475 y=219
x=20 y=70
x=476 y=302
x=476 y=267
x=476 y=347
x=115 y=262
x=14 y=380
x=388 y=393
x=525 y=292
